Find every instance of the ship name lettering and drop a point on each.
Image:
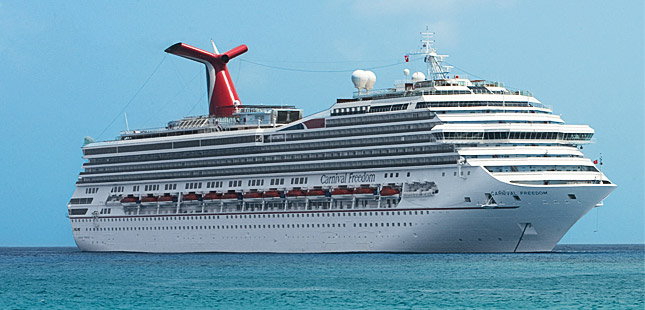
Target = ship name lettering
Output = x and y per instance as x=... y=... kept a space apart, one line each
x=534 y=193
x=348 y=178
x=362 y=178
x=333 y=179
x=512 y=193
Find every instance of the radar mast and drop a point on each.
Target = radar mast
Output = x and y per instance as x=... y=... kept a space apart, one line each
x=435 y=70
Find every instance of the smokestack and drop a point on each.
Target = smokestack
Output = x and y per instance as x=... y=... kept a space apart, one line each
x=222 y=97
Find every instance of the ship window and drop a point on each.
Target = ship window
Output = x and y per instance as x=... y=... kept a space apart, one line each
x=77 y=211
x=572 y=196
x=516 y=197
x=466 y=199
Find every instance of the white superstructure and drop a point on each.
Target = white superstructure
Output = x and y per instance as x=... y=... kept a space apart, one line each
x=438 y=165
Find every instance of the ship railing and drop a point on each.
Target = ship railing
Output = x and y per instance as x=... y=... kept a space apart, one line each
x=143 y=131
x=373 y=92
x=466 y=104
x=224 y=122
x=391 y=92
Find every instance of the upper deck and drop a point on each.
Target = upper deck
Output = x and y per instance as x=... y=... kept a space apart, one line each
x=247 y=117
x=447 y=87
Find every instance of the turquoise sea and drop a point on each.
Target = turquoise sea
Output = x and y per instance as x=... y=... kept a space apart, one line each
x=571 y=277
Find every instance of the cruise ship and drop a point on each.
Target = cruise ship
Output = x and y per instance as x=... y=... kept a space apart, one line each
x=436 y=163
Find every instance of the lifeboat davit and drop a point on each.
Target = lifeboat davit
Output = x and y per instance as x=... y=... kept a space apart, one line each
x=252 y=197
x=364 y=192
x=129 y=201
x=342 y=193
x=316 y=194
x=229 y=197
x=149 y=201
x=272 y=195
x=166 y=200
x=387 y=191
x=191 y=199
x=211 y=197
x=295 y=194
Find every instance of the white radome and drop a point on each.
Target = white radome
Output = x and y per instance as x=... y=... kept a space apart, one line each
x=359 y=78
x=418 y=77
x=371 y=80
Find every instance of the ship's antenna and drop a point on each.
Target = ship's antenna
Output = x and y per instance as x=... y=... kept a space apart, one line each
x=435 y=70
x=127 y=127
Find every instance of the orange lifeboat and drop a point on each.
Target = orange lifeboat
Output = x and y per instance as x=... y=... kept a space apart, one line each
x=316 y=194
x=211 y=197
x=166 y=200
x=252 y=197
x=295 y=194
x=129 y=201
x=342 y=193
x=387 y=191
x=149 y=201
x=364 y=192
x=191 y=199
x=229 y=197
x=272 y=195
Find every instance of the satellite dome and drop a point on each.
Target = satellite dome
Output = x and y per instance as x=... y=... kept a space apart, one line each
x=418 y=77
x=359 y=78
x=371 y=79
x=406 y=72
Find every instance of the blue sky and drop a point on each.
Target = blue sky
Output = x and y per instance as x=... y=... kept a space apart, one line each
x=68 y=68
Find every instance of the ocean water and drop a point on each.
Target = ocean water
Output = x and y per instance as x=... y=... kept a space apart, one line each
x=571 y=277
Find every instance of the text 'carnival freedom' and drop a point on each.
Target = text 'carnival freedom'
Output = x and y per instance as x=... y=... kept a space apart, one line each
x=347 y=178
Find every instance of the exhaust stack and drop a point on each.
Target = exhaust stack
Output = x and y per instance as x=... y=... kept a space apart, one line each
x=222 y=97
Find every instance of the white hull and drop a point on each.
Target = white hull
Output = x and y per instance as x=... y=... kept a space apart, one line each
x=441 y=223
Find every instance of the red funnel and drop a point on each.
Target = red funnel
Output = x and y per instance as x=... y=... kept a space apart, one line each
x=222 y=97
